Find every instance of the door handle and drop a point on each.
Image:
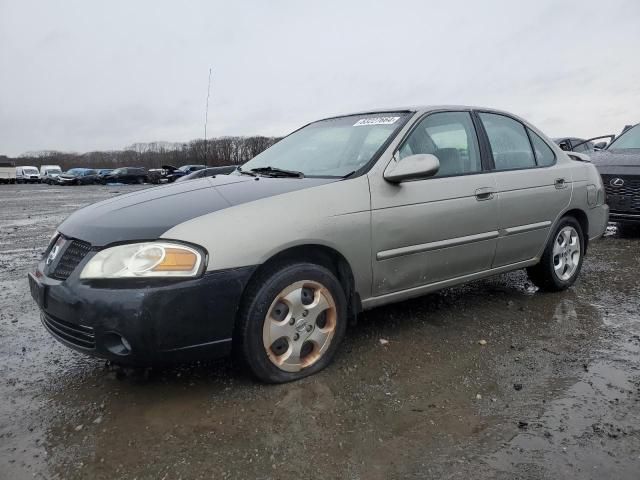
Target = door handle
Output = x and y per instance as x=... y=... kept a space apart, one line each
x=560 y=183
x=485 y=193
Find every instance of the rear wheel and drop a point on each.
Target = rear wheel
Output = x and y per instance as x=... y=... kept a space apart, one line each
x=291 y=322
x=561 y=261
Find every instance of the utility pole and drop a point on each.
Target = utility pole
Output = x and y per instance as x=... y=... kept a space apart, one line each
x=206 y=119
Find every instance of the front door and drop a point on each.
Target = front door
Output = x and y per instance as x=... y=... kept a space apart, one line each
x=443 y=227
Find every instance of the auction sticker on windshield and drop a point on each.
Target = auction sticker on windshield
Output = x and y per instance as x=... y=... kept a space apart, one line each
x=376 y=121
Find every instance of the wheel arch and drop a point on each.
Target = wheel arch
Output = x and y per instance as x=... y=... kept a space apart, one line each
x=322 y=255
x=582 y=218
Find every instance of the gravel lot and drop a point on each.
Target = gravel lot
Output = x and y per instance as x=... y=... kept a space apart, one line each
x=554 y=392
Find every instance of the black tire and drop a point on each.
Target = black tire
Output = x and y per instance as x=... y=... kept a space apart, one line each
x=249 y=347
x=543 y=275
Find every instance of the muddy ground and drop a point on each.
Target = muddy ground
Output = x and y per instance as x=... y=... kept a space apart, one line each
x=554 y=393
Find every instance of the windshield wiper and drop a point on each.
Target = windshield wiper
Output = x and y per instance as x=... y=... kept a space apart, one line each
x=244 y=172
x=277 y=172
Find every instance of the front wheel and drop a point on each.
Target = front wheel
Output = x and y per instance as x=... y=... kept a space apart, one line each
x=561 y=261
x=291 y=322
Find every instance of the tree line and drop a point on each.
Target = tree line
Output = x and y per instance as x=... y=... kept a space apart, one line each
x=212 y=152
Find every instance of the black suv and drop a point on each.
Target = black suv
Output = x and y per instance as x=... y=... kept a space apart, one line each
x=619 y=165
x=126 y=175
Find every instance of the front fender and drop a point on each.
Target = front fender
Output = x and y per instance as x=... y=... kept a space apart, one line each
x=336 y=215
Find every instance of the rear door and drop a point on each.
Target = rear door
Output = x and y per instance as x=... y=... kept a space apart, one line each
x=440 y=228
x=532 y=189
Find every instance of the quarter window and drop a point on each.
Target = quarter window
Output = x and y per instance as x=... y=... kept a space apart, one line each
x=509 y=142
x=451 y=137
x=544 y=154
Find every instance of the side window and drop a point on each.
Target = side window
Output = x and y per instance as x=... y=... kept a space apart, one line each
x=544 y=154
x=451 y=137
x=509 y=142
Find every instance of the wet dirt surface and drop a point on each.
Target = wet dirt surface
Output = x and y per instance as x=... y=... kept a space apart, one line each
x=554 y=392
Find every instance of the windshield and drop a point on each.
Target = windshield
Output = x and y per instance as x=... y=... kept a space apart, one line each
x=30 y=170
x=53 y=171
x=75 y=171
x=333 y=147
x=117 y=171
x=629 y=139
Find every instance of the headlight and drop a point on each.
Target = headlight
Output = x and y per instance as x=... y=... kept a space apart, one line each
x=152 y=259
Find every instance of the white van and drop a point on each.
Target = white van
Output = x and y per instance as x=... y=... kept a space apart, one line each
x=27 y=175
x=48 y=173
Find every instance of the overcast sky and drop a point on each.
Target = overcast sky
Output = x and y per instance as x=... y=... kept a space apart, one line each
x=88 y=75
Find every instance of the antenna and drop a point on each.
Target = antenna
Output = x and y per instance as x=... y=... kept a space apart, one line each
x=206 y=118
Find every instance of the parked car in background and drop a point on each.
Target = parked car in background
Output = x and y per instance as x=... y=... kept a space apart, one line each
x=208 y=172
x=7 y=172
x=173 y=173
x=619 y=165
x=103 y=172
x=126 y=175
x=343 y=215
x=27 y=175
x=49 y=174
x=575 y=144
x=78 y=176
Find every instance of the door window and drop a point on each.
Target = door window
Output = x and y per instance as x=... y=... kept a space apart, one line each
x=451 y=137
x=544 y=154
x=509 y=142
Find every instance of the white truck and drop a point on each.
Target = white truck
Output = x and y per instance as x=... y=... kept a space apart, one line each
x=7 y=172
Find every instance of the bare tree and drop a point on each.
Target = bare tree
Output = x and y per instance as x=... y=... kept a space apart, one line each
x=215 y=152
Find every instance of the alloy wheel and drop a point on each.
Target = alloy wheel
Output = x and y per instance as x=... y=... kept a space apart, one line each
x=566 y=253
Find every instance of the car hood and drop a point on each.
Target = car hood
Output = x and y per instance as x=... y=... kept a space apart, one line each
x=617 y=162
x=147 y=214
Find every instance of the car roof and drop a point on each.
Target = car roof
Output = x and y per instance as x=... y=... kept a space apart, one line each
x=421 y=109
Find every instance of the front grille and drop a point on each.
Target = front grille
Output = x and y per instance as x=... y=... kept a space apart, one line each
x=72 y=256
x=624 y=198
x=79 y=335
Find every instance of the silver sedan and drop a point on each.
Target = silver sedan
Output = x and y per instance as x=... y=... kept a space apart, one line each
x=345 y=214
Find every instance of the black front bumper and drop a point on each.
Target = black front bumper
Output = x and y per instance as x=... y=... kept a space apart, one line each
x=160 y=322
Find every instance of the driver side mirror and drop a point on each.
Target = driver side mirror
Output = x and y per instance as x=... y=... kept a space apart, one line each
x=600 y=145
x=564 y=146
x=413 y=167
